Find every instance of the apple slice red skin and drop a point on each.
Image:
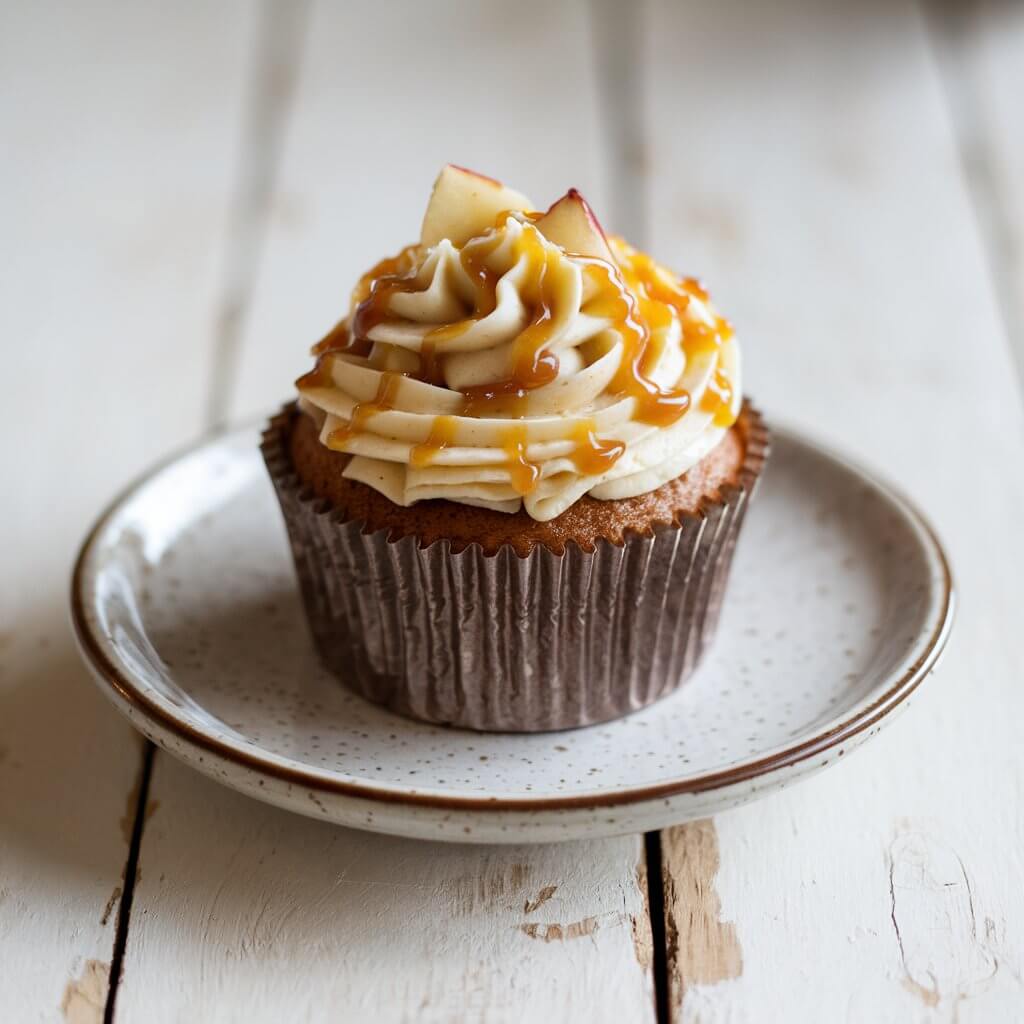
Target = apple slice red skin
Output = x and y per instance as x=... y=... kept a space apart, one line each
x=571 y=224
x=465 y=204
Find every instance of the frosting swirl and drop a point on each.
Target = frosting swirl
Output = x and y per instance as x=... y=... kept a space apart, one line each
x=505 y=370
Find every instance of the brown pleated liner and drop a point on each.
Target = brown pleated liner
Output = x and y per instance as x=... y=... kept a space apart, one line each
x=506 y=643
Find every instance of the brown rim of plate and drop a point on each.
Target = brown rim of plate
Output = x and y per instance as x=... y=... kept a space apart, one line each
x=863 y=719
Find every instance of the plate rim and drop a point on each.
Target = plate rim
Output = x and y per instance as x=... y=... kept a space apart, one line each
x=107 y=673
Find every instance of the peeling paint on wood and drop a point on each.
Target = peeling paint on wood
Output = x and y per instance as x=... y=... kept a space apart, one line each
x=640 y=924
x=560 y=932
x=496 y=884
x=934 y=920
x=277 y=917
x=108 y=909
x=541 y=898
x=85 y=996
x=702 y=949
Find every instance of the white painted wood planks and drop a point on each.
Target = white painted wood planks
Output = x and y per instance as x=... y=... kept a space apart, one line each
x=802 y=160
x=119 y=125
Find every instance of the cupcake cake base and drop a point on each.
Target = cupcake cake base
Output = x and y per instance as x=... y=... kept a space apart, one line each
x=468 y=617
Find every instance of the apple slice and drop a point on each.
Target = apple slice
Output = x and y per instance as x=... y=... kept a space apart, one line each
x=571 y=224
x=464 y=204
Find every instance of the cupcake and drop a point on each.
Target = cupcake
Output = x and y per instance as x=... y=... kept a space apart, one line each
x=514 y=479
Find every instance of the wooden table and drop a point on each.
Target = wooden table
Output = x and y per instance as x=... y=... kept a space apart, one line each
x=188 y=192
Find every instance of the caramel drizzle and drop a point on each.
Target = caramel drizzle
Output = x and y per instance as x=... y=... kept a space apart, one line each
x=363 y=412
x=473 y=257
x=718 y=398
x=395 y=275
x=532 y=365
x=639 y=303
x=320 y=376
x=696 y=288
x=442 y=433
x=523 y=474
x=335 y=340
x=592 y=456
x=430 y=370
x=653 y=404
x=658 y=296
x=399 y=269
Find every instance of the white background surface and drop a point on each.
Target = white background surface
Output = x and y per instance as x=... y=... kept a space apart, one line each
x=188 y=192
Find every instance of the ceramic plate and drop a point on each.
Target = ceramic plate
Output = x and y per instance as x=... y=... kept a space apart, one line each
x=186 y=609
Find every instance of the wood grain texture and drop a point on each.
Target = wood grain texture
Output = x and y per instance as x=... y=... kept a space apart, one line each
x=980 y=45
x=804 y=158
x=273 y=917
x=85 y=997
x=270 y=916
x=701 y=949
x=118 y=124
x=803 y=162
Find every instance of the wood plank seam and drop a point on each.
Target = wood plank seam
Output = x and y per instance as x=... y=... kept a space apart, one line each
x=131 y=870
x=949 y=34
x=616 y=33
x=616 y=40
x=656 y=883
x=275 y=67
x=270 y=93
x=701 y=947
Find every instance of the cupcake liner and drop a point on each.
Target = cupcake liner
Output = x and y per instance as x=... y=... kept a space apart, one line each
x=500 y=642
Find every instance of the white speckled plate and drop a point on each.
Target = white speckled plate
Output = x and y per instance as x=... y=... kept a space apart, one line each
x=186 y=609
